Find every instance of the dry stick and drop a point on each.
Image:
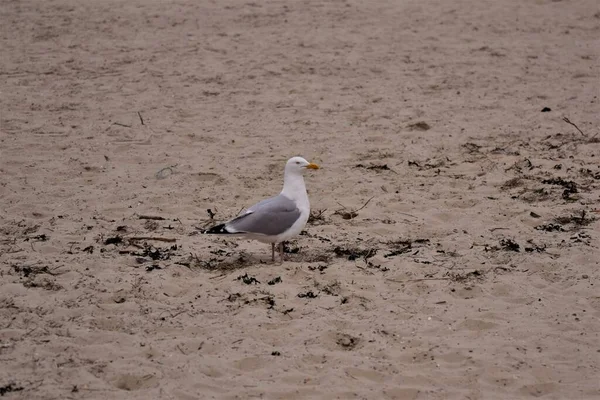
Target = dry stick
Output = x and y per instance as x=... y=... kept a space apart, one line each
x=409 y=215
x=123 y=125
x=160 y=239
x=351 y=376
x=317 y=213
x=576 y=127
x=418 y=280
x=153 y=217
x=343 y=206
x=178 y=313
x=141 y=119
x=363 y=206
x=171 y=315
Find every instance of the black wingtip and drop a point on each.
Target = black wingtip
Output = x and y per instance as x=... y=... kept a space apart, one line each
x=218 y=229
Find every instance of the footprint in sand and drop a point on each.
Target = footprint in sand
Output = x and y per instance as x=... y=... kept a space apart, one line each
x=131 y=382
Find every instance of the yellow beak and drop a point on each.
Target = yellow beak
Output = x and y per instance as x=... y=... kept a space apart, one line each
x=312 y=166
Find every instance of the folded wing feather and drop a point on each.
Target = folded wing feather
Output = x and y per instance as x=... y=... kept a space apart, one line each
x=269 y=217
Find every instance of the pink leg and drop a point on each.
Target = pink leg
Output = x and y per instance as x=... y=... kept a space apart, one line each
x=281 y=251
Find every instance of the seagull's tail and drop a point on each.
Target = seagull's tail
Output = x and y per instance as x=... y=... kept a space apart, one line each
x=219 y=230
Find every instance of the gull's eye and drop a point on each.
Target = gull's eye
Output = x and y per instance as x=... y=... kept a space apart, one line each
x=297 y=162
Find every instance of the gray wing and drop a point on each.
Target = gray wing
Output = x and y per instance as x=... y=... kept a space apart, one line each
x=269 y=217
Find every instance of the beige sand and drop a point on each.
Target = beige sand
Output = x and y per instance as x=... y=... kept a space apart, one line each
x=437 y=301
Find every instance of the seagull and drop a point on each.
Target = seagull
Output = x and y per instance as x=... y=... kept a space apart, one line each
x=276 y=219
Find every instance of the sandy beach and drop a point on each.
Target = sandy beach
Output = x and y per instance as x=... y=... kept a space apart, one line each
x=453 y=247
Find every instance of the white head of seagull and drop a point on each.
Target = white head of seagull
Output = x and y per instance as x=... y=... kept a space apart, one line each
x=293 y=182
x=276 y=219
x=299 y=164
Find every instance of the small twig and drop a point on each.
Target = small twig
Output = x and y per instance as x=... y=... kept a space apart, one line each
x=408 y=215
x=160 y=239
x=418 y=280
x=141 y=119
x=97 y=389
x=364 y=205
x=182 y=352
x=576 y=127
x=123 y=125
x=153 y=217
x=364 y=269
x=352 y=213
x=316 y=216
x=171 y=315
x=29 y=332
x=343 y=206
x=351 y=376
